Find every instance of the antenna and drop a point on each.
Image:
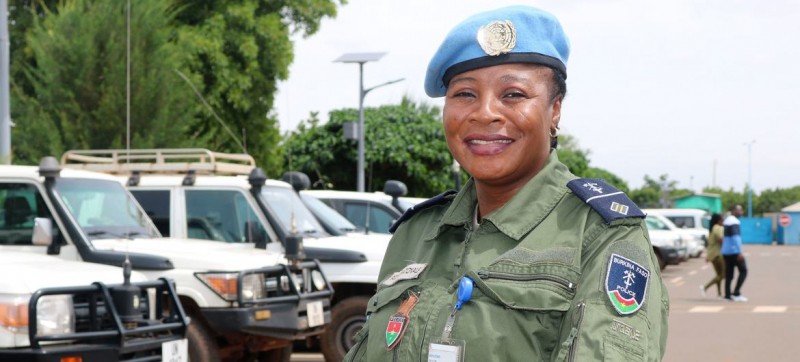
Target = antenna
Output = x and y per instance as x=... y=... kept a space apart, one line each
x=221 y=122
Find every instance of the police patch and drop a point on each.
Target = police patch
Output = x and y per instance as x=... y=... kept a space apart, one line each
x=626 y=284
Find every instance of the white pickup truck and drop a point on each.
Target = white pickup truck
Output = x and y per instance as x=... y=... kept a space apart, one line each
x=58 y=310
x=203 y=195
x=244 y=303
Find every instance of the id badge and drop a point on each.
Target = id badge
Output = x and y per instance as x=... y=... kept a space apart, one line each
x=446 y=350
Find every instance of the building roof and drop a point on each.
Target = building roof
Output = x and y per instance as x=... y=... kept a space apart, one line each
x=792 y=207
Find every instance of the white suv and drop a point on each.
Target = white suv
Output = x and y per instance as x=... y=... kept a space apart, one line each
x=208 y=195
x=56 y=309
x=237 y=296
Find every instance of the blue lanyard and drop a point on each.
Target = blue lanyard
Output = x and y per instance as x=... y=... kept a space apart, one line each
x=463 y=296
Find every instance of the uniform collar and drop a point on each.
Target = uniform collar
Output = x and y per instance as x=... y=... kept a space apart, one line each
x=523 y=212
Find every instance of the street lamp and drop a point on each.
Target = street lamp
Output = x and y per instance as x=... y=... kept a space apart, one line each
x=362 y=58
x=749 y=179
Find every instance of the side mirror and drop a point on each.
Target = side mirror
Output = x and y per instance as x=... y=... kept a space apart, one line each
x=43 y=235
x=395 y=189
x=255 y=233
x=42 y=231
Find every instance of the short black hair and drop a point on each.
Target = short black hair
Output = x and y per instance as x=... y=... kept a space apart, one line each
x=558 y=85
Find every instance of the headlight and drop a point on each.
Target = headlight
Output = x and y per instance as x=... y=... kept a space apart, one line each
x=224 y=284
x=14 y=313
x=54 y=315
x=253 y=287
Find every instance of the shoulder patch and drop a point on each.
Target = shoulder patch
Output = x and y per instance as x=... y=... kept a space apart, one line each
x=609 y=202
x=439 y=199
x=626 y=284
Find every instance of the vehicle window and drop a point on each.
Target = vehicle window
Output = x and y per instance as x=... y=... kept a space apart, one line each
x=686 y=222
x=156 y=203
x=20 y=204
x=221 y=215
x=284 y=203
x=655 y=224
x=103 y=208
x=706 y=222
x=328 y=214
x=379 y=219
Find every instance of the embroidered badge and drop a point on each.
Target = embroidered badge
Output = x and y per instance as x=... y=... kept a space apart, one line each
x=411 y=271
x=398 y=322
x=626 y=284
x=499 y=37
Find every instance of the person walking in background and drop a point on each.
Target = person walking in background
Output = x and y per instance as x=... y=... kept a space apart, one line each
x=732 y=254
x=713 y=254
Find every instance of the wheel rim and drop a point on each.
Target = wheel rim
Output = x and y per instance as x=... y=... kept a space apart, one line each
x=347 y=332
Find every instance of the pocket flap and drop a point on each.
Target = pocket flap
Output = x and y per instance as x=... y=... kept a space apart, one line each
x=387 y=294
x=526 y=292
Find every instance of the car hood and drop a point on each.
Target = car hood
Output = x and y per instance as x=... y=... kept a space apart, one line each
x=29 y=273
x=373 y=246
x=196 y=254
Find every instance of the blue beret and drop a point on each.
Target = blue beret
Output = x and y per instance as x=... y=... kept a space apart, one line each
x=514 y=34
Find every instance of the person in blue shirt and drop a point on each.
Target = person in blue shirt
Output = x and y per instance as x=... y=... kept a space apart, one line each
x=732 y=254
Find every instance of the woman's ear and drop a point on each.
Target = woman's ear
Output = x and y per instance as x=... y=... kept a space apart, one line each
x=556 y=112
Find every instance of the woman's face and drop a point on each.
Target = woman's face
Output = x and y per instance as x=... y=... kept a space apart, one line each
x=497 y=122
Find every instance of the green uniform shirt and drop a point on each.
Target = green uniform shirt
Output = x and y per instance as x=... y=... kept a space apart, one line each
x=539 y=264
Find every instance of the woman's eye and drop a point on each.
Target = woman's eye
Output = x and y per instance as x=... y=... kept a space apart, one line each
x=463 y=94
x=514 y=95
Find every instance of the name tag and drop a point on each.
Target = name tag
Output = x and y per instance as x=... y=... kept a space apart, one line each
x=409 y=272
x=438 y=352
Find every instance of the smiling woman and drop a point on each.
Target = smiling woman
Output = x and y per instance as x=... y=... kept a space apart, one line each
x=525 y=254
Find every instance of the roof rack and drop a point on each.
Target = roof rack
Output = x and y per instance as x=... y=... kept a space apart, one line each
x=174 y=160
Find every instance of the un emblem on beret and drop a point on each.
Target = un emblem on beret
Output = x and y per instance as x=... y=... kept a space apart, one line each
x=499 y=37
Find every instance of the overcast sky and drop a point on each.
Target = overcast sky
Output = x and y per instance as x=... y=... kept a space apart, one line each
x=673 y=87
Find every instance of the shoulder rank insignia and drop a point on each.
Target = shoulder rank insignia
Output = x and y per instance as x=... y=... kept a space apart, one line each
x=626 y=284
x=609 y=202
x=439 y=199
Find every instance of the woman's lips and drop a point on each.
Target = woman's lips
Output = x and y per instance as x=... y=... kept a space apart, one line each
x=487 y=145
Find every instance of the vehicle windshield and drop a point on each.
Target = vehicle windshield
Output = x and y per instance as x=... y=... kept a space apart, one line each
x=285 y=204
x=654 y=223
x=103 y=209
x=328 y=215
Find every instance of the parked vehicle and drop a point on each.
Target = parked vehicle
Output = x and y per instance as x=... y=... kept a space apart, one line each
x=374 y=211
x=214 y=196
x=238 y=298
x=669 y=246
x=695 y=237
x=693 y=221
x=73 y=311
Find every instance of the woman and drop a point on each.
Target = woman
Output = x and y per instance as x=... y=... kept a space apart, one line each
x=525 y=262
x=715 y=234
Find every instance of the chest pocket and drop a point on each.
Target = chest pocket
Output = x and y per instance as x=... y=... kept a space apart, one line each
x=509 y=309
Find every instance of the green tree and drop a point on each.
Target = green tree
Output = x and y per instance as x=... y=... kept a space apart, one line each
x=773 y=200
x=77 y=80
x=403 y=142
x=239 y=50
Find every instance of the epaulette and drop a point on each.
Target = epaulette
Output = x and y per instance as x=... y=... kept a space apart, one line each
x=439 y=199
x=609 y=202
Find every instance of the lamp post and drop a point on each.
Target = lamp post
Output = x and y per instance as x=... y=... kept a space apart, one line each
x=362 y=58
x=5 y=113
x=749 y=179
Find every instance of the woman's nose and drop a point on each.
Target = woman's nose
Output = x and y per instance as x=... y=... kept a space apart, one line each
x=486 y=110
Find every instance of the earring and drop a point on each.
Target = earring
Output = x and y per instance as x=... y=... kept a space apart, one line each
x=554 y=132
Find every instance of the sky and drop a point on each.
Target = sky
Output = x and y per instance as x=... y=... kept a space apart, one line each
x=707 y=92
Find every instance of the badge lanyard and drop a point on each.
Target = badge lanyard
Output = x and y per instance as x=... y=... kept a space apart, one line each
x=446 y=349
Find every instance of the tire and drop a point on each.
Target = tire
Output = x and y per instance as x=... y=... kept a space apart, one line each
x=661 y=262
x=347 y=318
x=202 y=346
x=283 y=354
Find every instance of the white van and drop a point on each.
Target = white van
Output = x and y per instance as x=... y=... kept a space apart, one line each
x=691 y=221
